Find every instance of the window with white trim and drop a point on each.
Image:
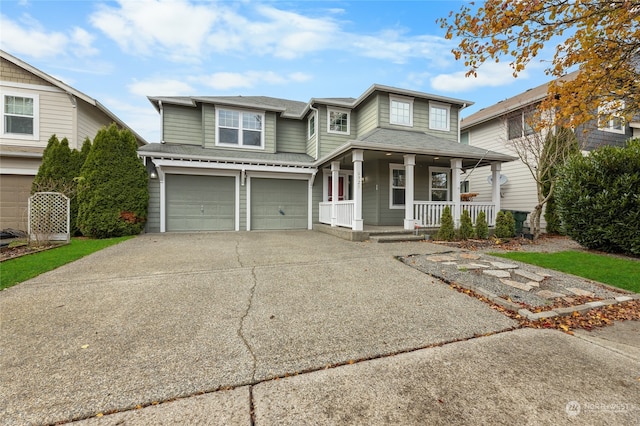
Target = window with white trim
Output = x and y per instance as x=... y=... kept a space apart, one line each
x=338 y=121
x=439 y=115
x=239 y=128
x=20 y=116
x=401 y=111
x=520 y=124
x=311 y=124
x=439 y=183
x=609 y=120
x=396 y=186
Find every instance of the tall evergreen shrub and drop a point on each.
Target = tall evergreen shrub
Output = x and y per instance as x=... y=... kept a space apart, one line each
x=599 y=198
x=466 y=226
x=447 y=230
x=113 y=194
x=505 y=225
x=482 y=227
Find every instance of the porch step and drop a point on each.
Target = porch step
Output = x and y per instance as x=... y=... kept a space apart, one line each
x=395 y=238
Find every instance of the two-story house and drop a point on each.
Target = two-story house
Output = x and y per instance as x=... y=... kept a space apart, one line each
x=496 y=127
x=389 y=157
x=34 y=106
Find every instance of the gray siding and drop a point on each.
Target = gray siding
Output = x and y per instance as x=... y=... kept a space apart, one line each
x=370 y=193
x=331 y=141
x=270 y=132
x=291 y=135
x=311 y=146
x=182 y=125
x=316 y=195
x=153 y=213
x=367 y=115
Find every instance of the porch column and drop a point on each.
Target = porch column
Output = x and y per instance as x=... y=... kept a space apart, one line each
x=495 y=192
x=409 y=164
x=163 y=199
x=335 y=177
x=456 y=166
x=358 y=158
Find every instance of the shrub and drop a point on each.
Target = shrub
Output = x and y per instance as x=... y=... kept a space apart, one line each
x=505 y=225
x=466 y=226
x=113 y=193
x=482 y=227
x=447 y=230
x=598 y=198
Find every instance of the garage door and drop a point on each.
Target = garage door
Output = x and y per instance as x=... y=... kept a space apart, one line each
x=200 y=203
x=14 y=199
x=279 y=204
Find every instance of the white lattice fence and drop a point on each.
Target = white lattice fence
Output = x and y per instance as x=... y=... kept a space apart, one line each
x=49 y=217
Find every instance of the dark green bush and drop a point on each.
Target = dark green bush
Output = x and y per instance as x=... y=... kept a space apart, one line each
x=598 y=198
x=113 y=194
x=505 y=225
x=447 y=230
x=482 y=227
x=466 y=226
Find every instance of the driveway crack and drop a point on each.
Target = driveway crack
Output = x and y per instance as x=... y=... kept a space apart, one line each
x=241 y=332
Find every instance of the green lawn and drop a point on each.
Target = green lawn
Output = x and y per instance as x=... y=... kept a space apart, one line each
x=618 y=272
x=17 y=270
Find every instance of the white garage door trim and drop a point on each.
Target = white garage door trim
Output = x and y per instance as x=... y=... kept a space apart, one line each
x=292 y=176
x=163 y=171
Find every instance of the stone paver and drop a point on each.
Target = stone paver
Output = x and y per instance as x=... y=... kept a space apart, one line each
x=516 y=284
x=580 y=292
x=529 y=275
x=503 y=265
x=497 y=273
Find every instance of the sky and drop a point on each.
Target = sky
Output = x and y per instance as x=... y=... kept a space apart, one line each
x=120 y=52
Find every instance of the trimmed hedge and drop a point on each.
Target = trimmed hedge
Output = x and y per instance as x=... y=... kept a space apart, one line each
x=505 y=225
x=466 y=226
x=598 y=198
x=482 y=227
x=113 y=193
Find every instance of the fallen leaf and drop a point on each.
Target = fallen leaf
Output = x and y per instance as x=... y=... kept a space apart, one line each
x=84 y=346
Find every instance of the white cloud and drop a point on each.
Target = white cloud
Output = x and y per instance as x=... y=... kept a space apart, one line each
x=490 y=74
x=139 y=27
x=143 y=119
x=160 y=86
x=249 y=79
x=29 y=38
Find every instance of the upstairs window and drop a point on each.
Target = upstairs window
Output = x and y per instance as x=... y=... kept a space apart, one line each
x=401 y=111
x=20 y=116
x=311 y=124
x=338 y=121
x=439 y=116
x=240 y=128
x=609 y=120
x=520 y=124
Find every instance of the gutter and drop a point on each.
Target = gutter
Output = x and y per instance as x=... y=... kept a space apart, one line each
x=316 y=129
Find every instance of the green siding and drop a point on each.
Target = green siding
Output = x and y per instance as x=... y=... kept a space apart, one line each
x=291 y=135
x=279 y=204
x=311 y=146
x=367 y=115
x=200 y=203
x=370 y=193
x=331 y=141
x=182 y=125
x=316 y=197
x=153 y=213
x=209 y=125
x=270 y=132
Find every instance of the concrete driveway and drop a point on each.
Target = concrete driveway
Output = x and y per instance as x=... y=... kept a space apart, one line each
x=195 y=327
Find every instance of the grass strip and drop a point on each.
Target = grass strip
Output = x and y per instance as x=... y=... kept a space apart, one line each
x=14 y=271
x=615 y=271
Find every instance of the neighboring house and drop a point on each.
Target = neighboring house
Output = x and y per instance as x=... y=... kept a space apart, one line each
x=35 y=106
x=390 y=157
x=495 y=126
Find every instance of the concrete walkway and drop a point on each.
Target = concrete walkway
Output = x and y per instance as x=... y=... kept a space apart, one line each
x=196 y=327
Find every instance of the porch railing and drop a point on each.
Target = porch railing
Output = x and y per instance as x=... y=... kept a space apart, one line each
x=344 y=213
x=428 y=213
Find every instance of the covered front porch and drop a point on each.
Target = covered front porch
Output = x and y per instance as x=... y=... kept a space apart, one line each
x=410 y=190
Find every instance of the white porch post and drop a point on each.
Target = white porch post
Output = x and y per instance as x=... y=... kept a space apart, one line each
x=335 y=177
x=409 y=165
x=358 y=158
x=456 y=166
x=163 y=199
x=495 y=192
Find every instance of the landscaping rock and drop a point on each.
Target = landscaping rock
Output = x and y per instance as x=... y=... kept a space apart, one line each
x=529 y=275
x=516 y=284
x=498 y=273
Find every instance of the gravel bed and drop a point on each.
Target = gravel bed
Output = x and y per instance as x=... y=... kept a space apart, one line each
x=558 y=282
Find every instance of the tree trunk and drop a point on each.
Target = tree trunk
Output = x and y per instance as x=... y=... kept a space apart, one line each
x=535 y=220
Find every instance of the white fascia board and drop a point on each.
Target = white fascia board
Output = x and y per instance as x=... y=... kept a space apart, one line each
x=233 y=166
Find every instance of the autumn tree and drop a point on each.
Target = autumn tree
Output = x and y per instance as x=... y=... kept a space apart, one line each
x=601 y=39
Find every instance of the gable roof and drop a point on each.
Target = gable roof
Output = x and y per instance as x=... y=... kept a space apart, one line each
x=521 y=100
x=71 y=91
x=296 y=109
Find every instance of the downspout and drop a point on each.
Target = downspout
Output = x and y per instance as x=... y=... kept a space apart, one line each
x=161 y=122
x=316 y=129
